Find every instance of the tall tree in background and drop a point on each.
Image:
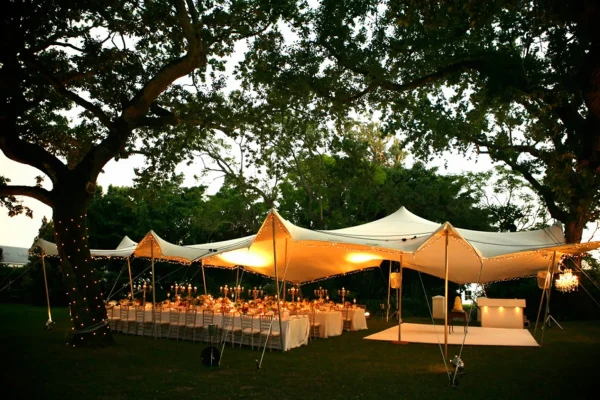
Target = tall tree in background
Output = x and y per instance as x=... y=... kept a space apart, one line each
x=114 y=65
x=515 y=79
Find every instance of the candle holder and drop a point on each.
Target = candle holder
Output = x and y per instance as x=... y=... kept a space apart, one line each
x=143 y=288
x=293 y=291
x=255 y=293
x=225 y=290
x=238 y=290
x=343 y=292
x=321 y=292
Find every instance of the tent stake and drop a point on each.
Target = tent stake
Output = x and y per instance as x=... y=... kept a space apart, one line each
x=446 y=298
x=47 y=293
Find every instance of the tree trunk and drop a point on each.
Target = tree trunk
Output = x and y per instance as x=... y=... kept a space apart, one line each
x=86 y=301
x=574 y=230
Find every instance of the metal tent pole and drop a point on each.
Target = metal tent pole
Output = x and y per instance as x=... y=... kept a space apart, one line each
x=204 y=278
x=277 y=276
x=46 y=285
x=446 y=297
x=153 y=289
x=387 y=312
x=544 y=292
x=130 y=279
x=554 y=263
x=400 y=305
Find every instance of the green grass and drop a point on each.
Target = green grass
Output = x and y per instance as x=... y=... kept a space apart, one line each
x=38 y=364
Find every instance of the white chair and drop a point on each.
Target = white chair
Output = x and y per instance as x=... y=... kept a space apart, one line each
x=248 y=330
x=315 y=327
x=229 y=330
x=266 y=330
x=140 y=315
x=175 y=325
x=190 y=324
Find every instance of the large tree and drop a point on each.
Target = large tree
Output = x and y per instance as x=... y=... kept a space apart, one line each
x=518 y=80
x=84 y=82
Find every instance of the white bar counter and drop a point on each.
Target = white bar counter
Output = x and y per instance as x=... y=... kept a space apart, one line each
x=501 y=313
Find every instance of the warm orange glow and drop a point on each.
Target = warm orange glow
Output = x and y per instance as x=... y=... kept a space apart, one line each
x=501 y=308
x=485 y=308
x=361 y=257
x=246 y=258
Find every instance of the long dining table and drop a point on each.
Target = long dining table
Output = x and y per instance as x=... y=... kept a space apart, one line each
x=332 y=322
x=296 y=328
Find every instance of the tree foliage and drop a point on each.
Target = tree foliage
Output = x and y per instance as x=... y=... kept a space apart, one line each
x=517 y=80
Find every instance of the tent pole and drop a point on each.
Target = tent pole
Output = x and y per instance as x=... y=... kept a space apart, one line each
x=387 y=312
x=46 y=285
x=153 y=290
x=237 y=281
x=204 y=278
x=446 y=298
x=554 y=263
x=130 y=279
x=277 y=278
x=400 y=305
x=537 y=320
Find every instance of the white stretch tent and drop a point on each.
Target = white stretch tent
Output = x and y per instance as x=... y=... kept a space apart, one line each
x=313 y=255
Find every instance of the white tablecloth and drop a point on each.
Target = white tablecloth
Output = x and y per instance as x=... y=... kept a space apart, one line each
x=359 y=321
x=295 y=328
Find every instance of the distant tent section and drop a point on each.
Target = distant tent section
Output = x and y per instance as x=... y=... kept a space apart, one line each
x=16 y=256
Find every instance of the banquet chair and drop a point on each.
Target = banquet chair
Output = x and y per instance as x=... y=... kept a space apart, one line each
x=140 y=315
x=347 y=319
x=124 y=320
x=229 y=330
x=315 y=327
x=266 y=331
x=164 y=323
x=149 y=324
x=190 y=324
x=132 y=325
x=248 y=330
x=208 y=319
x=175 y=325
x=112 y=318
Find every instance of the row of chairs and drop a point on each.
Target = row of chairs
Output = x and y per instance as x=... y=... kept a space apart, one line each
x=195 y=326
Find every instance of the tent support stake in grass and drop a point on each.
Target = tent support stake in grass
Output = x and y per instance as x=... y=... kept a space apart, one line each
x=49 y=323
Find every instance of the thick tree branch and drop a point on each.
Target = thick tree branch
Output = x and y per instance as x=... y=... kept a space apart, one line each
x=62 y=90
x=186 y=24
x=35 y=192
x=31 y=154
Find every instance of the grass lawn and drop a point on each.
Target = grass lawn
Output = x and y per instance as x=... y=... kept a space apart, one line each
x=38 y=364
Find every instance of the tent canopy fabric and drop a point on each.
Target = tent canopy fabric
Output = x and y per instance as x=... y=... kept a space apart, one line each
x=303 y=255
x=420 y=244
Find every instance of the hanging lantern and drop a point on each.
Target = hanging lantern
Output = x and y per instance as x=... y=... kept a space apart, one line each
x=567 y=282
